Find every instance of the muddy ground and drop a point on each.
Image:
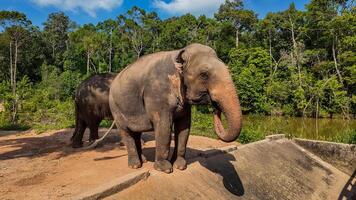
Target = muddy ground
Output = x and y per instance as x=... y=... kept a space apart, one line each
x=46 y=167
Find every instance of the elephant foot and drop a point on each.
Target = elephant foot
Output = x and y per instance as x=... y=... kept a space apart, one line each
x=77 y=144
x=163 y=166
x=180 y=163
x=143 y=158
x=134 y=162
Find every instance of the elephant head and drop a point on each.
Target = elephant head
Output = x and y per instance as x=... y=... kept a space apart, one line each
x=208 y=81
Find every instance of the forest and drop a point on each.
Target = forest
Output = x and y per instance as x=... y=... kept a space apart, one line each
x=288 y=63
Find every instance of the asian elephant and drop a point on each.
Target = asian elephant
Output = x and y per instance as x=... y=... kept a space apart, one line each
x=156 y=93
x=91 y=106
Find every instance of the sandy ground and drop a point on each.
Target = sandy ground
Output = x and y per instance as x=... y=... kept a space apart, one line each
x=46 y=167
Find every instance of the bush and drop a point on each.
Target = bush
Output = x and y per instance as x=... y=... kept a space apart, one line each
x=46 y=105
x=348 y=137
x=352 y=137
x=59 y=115
x=250 y=135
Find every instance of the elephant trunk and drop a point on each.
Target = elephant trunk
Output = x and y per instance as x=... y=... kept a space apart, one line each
x=225 y=100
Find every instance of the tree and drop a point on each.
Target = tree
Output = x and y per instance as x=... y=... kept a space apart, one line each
x=233 y=11
x=132 y=24
x=56 y=30
x=15 y=25
x=109 y=27
x=249 y=69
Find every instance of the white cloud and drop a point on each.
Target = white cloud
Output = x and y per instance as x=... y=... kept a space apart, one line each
x=195 y=7
x=88 y=6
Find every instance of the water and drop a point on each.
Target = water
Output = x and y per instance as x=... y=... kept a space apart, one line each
x=310 y=128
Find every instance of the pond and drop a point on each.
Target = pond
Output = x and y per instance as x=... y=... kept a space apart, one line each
x=310 y=128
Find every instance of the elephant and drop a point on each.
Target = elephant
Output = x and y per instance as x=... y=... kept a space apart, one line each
x=91 y=106
x=156 y=93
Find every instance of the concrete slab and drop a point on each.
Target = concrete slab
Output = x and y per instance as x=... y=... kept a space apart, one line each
x=113 y=186
x=269 y=169
x=342 y=156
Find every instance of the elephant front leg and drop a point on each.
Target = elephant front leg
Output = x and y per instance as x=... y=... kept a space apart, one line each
x=181 y=134
x=162 y=127
x=130 y=139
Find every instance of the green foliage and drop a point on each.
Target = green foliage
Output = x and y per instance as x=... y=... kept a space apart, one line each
x=248 y=68
x=351 y=137
x=202 y=123
x=249 y=135
x=48 y=105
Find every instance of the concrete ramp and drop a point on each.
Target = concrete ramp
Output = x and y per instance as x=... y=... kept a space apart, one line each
x=276 y=169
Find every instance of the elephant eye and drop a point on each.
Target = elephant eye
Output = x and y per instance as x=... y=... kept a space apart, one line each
x=204 y=75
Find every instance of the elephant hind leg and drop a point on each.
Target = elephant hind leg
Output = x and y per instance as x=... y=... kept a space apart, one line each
x=133 y=144
x=77 y=138
x=94 y=127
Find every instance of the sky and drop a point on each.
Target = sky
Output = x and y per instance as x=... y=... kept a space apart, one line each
x=94 y=11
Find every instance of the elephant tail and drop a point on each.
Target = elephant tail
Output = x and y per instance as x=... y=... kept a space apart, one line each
x=96 y=142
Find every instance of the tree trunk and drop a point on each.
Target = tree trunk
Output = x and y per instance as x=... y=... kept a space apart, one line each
x=14 y=106
x=270 y=50
x=15 y=67
x=335 y=60
x=11 y=66
x=237 y=37
x=317 y=108
x=67 y=45
x=88 y=62
x=295 y=50
x=110 y=52
x=53 y=45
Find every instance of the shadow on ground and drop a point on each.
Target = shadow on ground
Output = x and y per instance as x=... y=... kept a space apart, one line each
x=38 y=146
x=220 y=165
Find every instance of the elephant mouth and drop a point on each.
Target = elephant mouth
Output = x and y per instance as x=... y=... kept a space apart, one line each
x=216 y=107
x=203 y=98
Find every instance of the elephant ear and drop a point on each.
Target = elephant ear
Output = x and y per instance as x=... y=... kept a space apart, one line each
x=182 y=57
x=181 y=60
x=192 y=50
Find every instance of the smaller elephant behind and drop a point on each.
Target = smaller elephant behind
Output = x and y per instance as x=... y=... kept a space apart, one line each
x=91 y=106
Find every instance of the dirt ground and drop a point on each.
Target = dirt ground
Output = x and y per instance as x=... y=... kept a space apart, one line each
x=46 y=167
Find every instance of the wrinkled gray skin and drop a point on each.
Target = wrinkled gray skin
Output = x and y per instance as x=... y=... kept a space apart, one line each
x=156 y=93
x=91 y=106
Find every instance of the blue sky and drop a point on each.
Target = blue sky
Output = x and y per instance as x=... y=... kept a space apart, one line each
x=93 y=11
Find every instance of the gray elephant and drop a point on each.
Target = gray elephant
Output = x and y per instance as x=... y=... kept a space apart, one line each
x=91 y=106
x=156 y=93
